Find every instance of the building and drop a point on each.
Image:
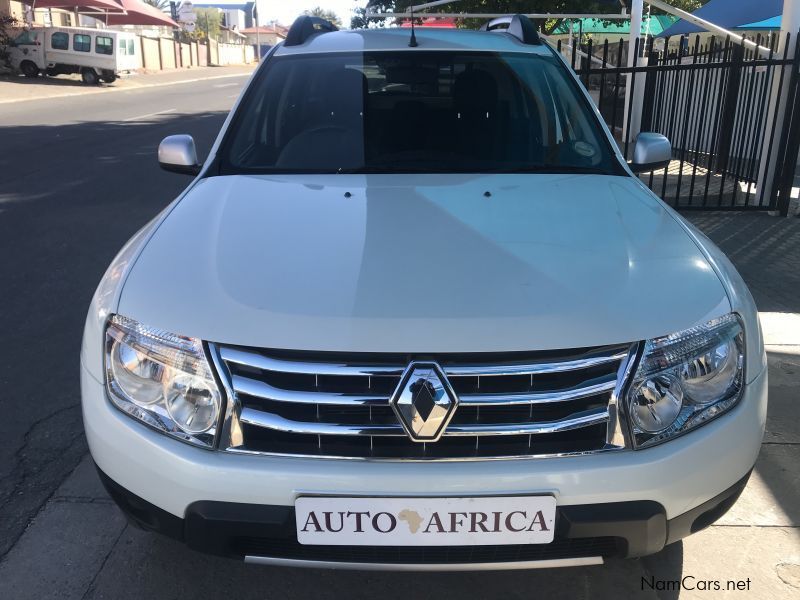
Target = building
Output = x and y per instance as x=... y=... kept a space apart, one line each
x=231 y=35
x=234 y=19
x=22 y=12
x=266 y=35
x=239 y=16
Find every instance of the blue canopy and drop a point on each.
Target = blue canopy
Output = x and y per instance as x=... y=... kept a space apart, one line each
x=728 y=14
x=773 y=23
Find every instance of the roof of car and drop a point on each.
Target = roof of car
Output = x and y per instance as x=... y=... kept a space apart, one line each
x=428 y=38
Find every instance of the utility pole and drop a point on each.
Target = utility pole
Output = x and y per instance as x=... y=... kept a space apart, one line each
x=258 y=32
x=637 y=8
x=634 y=106
x=778 y=105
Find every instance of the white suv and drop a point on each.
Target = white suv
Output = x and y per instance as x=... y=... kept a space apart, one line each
x=415 y=311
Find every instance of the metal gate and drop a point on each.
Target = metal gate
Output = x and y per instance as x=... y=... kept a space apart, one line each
x=713 y=103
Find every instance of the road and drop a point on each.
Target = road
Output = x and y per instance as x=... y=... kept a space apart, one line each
x=78 y=177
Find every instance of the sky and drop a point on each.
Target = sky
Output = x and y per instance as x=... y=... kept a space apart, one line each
x=285 y=11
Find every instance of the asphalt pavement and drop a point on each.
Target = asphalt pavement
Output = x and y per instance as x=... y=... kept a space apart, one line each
x=78 y=176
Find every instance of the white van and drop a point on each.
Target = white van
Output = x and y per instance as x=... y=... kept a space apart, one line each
x=97 y=54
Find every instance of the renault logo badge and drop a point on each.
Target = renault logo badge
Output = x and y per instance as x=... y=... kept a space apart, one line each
x=424 y=402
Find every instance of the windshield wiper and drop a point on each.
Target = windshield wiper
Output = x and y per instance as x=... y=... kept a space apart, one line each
x=549 y=169
x=394 y=169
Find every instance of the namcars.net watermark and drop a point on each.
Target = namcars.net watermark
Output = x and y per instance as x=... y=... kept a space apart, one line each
x=690 y=583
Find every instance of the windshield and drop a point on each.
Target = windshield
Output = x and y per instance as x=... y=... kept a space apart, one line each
x=415 y=112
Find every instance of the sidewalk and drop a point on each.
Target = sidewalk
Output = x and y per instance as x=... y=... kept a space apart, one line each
x=760 y=537
x=15 y=88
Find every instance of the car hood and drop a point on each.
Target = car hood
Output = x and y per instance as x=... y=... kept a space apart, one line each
x=448 y=263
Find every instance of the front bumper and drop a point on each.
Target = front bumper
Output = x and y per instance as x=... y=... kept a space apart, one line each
x=655 y=488
x=585 y=534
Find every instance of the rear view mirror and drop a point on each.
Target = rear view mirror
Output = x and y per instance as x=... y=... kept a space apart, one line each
x=651 y=152
x=177 y=153
x=410 y=76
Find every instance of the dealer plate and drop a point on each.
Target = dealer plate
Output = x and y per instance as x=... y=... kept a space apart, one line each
x=481 y=521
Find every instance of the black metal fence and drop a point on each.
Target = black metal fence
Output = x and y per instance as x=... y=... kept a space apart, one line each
x=713 y=101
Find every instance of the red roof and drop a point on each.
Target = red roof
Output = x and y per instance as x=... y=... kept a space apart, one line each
x=443 y=23
x=277 y=29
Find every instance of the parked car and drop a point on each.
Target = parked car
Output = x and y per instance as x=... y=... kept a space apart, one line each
x=97 y=54
x=415 y=311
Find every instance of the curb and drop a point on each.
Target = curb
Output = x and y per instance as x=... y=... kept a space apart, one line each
x=780 y=329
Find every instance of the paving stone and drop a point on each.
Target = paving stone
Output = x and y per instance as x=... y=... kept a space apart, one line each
x=143 y=565
x=783 y=414
x=768 y=556
x=771 y=495
x=765 y=250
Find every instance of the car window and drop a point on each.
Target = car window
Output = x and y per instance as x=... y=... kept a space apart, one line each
x=81 y=43
x=27 y=38
x=59 y=41
x=103 y=45
x=416 y=112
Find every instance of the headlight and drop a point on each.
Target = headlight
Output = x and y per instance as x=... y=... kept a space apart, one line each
x=162 y=379
x=685 y=379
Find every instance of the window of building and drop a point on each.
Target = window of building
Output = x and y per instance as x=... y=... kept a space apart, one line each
x=126 y=47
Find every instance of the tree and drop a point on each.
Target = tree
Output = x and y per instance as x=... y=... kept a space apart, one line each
x=323 y=13
x=687 y=5
x=162 y=5
x=516 y=6
x=208 y=23
x=7 y=24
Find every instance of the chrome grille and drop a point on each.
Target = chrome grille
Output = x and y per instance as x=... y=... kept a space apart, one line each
x=510 y=405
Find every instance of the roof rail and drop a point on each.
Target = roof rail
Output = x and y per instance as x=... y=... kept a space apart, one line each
x=520 y=26
x=305 y=27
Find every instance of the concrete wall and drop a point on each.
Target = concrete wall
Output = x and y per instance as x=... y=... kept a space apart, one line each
x=202 y=55
x=167 y=53
x=185 y=55
x=213 y=52
x=232 y=54
x=151 y=53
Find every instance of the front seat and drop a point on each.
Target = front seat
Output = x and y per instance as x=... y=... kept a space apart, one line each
x=334 y=137
x=475 y=101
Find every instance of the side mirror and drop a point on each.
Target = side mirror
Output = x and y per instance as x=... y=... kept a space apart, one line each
x=652 y=151
x=178 y=154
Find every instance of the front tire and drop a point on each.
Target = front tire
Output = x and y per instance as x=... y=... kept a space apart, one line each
x=29 y=69
x=89 y=77
x=108 y=77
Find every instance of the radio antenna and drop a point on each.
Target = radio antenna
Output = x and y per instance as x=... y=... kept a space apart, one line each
x=413 y=42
